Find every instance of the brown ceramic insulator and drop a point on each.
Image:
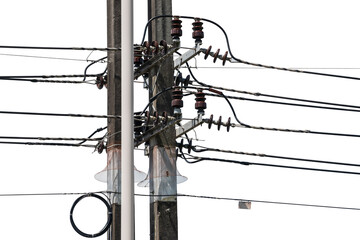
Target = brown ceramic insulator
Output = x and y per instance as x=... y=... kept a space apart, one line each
x=177 y=96
x=198 y=33
x=176 y=31
x=100 y=81
x=207 y=52
x=224 y=58
x=200 y=103
x=164 y=45
x=216 y=55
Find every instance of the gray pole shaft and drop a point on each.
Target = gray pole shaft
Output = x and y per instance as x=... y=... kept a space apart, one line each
x=114 y=108
x=127 y=126
x=162 y=162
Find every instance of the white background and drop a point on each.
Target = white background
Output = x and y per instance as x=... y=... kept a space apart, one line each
x=295 y=34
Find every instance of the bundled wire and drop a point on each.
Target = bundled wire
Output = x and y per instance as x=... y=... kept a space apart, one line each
x=197 y=159
x=199 y=149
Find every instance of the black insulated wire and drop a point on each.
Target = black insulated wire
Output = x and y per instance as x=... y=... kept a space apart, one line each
x=206 y=149
x=109 y=216
x=201 y=159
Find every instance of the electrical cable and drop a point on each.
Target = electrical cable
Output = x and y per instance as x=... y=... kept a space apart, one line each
x=59 y=114
x=91 y=82
x=49 y=144
x=109 y=216
x=87 y=67
x=96 y=131
x=179 y=195
x=250 y=200
x=50 y=138
x=276 y=96
x=205 y=149
x=50 y=76
x=286 y=103
x=220 y=94
x=61 y=48
x=46 y=57
x=242 y=61
x=200 y=159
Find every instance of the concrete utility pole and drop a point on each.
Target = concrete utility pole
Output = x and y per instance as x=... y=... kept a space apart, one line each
x=162 y=152
x=114 y=108
x=127 y=118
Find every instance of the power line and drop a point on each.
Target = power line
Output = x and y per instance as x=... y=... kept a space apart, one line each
x=225 y=67
x=50 y=138
x=59 y=114
x=46 y=57
x=258 y=94
x=197 y=159
x=205 y=149
x=61 y=48
x=241 y=124
x=50 y=76
x=182 y=195
x=92 y=82
x=48 y=144
x=294 y=104
x=243 y=61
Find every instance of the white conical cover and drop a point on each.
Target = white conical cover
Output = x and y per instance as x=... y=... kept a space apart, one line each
x=113 y=167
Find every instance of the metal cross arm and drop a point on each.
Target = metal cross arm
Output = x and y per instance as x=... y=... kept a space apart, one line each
x=187 y=56
x=188 y=126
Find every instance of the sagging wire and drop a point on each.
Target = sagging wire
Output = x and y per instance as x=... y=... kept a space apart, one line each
x=48 y=144
x=49 y=76
x=240 y=60
x=287 y=103
x=199 y=149
x=59 y=114
x=60 y=48
x=91 y=82
x=45 y=57
x=178 y=195
x=258 y=94
x=197 y=159
x=221 y=94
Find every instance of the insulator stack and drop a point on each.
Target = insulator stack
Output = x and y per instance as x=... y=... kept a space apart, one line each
x=200 y=104
x=219 y=123
x=177 y=102
x=198 y=33
x=216 y=55
x=176 y=31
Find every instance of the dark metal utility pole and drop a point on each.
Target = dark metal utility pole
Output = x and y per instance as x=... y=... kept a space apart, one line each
x=162 y=152
x=114 y=108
